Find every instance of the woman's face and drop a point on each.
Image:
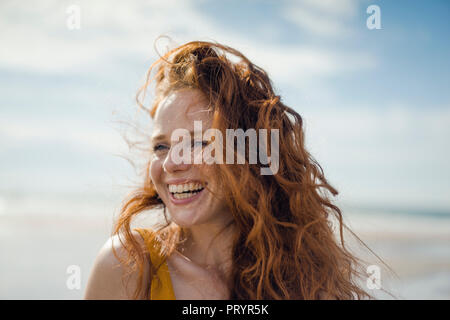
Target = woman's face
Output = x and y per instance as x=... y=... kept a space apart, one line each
x=181 y=186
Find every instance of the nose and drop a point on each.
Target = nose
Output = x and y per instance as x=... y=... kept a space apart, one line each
x=175 y=162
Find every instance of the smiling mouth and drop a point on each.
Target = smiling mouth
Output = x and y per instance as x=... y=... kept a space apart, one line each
x=186 y=190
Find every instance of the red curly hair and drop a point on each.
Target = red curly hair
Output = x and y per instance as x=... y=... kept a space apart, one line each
x=285 y=246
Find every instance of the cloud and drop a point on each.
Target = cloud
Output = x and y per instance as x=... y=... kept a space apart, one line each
x=326 y=18
x=393 y=155
x=341 y=8
x=22 y=132
x=36 y=37
x=391 y=135
x=299 y=65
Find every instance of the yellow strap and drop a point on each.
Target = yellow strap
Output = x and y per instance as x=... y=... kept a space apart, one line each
x=161 y=286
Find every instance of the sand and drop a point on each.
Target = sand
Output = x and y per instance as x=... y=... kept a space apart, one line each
x=37 y=250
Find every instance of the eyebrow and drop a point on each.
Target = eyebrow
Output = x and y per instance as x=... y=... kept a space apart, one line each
x=158 y=137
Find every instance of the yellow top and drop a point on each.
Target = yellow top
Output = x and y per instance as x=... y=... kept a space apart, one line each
x=161 y=285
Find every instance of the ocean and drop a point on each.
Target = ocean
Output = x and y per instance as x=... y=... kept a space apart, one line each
x=42 y=235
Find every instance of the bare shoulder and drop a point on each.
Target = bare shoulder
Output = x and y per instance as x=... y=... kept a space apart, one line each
x=108 y=279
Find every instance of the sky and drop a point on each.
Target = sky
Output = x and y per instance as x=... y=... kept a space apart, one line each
x=375 y=102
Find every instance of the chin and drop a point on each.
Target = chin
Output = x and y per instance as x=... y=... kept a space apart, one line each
x=186 y=219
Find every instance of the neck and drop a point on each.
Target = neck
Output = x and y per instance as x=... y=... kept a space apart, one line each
x=210 y=246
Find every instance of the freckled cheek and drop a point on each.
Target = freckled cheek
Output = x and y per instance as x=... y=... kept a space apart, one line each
x=156 y=171
x=219 y=200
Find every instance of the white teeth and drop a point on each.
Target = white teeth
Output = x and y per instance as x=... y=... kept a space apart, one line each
x=180 y=188
x=184 y=195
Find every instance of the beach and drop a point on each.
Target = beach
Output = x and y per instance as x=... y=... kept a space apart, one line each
x=416 y=248
x=37 y=249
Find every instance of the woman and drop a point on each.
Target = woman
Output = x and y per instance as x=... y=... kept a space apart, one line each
x=230 y=232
